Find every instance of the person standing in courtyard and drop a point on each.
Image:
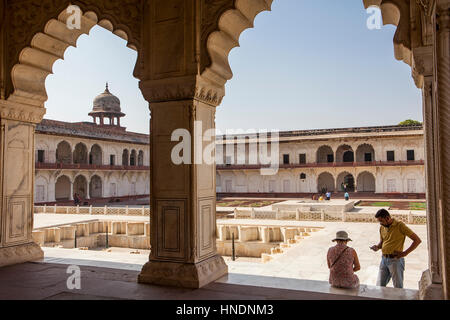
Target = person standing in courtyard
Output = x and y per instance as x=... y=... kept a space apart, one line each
x=346 y=196
x=392 y=240
x=343 y=262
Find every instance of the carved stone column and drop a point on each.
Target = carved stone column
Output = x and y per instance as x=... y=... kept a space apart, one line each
x=183 y=196
x=17 y=185
x=443 y=99
x=430 y=285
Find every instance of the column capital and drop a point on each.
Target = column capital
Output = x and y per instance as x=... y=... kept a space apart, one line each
x=21 y=112
x=193 y=87
x=422 y=64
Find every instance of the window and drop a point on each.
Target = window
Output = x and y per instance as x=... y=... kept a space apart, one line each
x=410 y=155
x=112 y=160
x=390 y=156
x=303 y=158
x=303 y=176
x=368 y=157
x=330 y=158
x=41 y=156
x=228 y=161
x=285 y=159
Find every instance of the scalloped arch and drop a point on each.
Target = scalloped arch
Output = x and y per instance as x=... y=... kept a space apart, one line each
x=234 y=21
x=46 y=47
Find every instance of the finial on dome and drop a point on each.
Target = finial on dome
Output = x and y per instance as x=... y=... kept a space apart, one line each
x=107 y=87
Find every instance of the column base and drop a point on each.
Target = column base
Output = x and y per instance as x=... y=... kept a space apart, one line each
x=184 y=275
x=429 y=290
x=20 y=254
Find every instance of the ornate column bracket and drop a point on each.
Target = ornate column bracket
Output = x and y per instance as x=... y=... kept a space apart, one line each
x=183 y=88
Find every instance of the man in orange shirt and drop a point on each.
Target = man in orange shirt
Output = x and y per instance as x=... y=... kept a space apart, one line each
x=392 y=235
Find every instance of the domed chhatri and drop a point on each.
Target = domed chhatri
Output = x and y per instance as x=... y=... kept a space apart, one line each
x=107 y=105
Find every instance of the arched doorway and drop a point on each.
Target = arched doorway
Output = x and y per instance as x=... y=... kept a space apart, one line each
x=80 y=186
x=80 y=155
x=141 y=158
x=96 y=187
x=133 y=158
x=345 y=154
x=325 y=155
x=325 y=182
x=125 y=158
x=96 y=156
x=365 y=153
x=62 y=188
x=64 y=153
x=346 y=181
x=366 y=182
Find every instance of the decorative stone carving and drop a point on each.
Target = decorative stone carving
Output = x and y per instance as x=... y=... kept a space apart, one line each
x=182 y=88
x=21 y=112
x=27 y=18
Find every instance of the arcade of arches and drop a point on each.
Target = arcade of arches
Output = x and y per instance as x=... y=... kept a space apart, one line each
x=182 y=66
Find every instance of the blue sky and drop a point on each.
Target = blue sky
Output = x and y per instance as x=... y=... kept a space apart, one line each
x=306 y=64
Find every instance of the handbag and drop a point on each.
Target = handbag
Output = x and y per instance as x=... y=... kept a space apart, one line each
x=337 y=259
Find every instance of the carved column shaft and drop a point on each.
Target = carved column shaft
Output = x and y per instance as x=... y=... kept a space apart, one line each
x=443 y=95
x=432 y=179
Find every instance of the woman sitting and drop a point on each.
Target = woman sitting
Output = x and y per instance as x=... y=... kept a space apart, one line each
x=343 y=263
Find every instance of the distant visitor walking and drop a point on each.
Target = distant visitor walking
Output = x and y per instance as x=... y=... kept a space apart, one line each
x=392 y=240
x=343 y=262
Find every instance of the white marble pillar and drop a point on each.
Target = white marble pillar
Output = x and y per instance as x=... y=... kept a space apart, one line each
x=443 y=122
x=17 y=186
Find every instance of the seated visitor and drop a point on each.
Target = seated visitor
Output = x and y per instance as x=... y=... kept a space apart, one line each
x=321 y=198
x=343 y=262
x=347 y=196
x=328 y=195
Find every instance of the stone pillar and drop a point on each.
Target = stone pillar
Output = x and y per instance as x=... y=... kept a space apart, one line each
x=443 y=122
x=88 y=190
x=71 y=191
x=17 y=186
x=431 y=283
x=183 y=195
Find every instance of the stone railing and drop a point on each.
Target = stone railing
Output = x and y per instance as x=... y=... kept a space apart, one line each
x=118 y=211
x=93 y=234
x=408 y=217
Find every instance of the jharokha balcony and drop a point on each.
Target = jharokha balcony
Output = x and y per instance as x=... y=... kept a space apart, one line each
x=78 y=166
x=326 y=165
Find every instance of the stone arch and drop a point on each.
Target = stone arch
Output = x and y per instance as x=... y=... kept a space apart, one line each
x=125 y=157
x=325 y=182
x=96 y=155
x=222 y=36
x=80 y=154
x=323 y=154
x=346 y=178
x=366 y=182
x=141 y=158
x=345 y=153
x=363 y=151
x=46 y=40
x=80 y=186
x=64 y=153
x=96 y=187
x=41 y=189
x=63 y=188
